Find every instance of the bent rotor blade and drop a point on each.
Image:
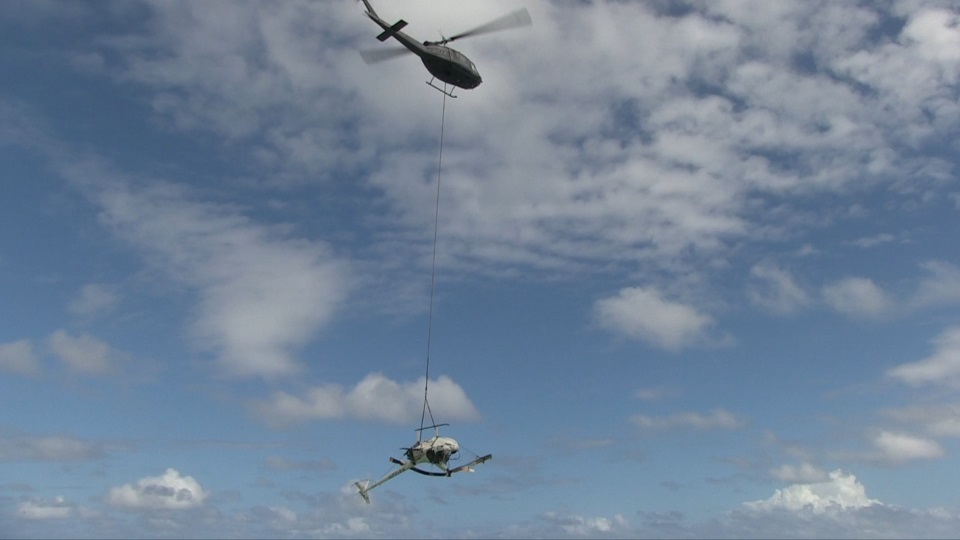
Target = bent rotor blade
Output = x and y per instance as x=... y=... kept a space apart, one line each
x=515 y=19
x=469 y=466
x=374 y=56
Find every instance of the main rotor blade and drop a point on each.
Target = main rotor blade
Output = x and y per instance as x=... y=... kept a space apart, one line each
x=373 y=56
x=515 y=19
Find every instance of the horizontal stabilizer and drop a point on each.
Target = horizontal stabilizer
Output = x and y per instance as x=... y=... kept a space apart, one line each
x=389 y=32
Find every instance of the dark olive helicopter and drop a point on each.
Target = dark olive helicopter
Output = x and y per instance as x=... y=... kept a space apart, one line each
x=444 y=63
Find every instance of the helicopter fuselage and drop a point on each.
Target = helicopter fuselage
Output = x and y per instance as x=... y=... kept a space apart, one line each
x=449 y=65
x=436 y=451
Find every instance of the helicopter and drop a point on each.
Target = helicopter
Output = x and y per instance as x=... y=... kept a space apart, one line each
x=436 y=451
x=448 y=65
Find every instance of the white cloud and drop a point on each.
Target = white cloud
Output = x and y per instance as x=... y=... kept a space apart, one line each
x=18 y=357
x=642 y=313
x=840 y=490
x=775 y=289
x=169 y=491
x=374 y=398
x=717 y=419
x=857 y=297
x=58 y=508
x=627 y=156
x=261 y=293
x=900 y=447
x=567 y=525
x=935 y=33
x=576 y=525
x=873 y=241
x=83 y=354
x=942 y=367
x=93 y=298
x=836 y=508
x=803 y=473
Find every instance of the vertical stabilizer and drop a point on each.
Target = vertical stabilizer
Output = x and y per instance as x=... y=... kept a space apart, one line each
x=362 y=487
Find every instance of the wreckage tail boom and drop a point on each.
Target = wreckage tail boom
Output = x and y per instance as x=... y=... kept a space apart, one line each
x=365 y=487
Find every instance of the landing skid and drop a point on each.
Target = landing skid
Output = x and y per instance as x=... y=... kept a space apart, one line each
x=468 y=467
x=442 y=90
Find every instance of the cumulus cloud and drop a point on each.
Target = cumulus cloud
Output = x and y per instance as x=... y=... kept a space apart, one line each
x=835 y=508
x=857 y=298
x=775 y=289
x=942 y=367
x=376 y=397
x=642 y=313
x=58 y=508
x=840 y=490
x=718 y=419
x=19 y=358
x=900 y=447
x=169 y=491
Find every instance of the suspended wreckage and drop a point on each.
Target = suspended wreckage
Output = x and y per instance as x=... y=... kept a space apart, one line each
x=448 y=65
x=436 y=451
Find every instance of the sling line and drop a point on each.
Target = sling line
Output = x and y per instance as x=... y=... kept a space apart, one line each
x=433 y=277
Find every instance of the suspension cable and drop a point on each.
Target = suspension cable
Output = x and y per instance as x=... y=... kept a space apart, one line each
x=433 y=276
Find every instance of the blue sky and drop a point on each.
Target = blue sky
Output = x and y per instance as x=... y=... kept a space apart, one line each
x=697 y=270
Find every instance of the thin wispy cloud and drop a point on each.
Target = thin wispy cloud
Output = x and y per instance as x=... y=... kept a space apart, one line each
x=718 y=419
x=940 y=287
x=49 y=448
x=261 y=292
x=19 y=358
x=775 y=289
x=92 y=299
x=84 y=353
x=940 y=368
